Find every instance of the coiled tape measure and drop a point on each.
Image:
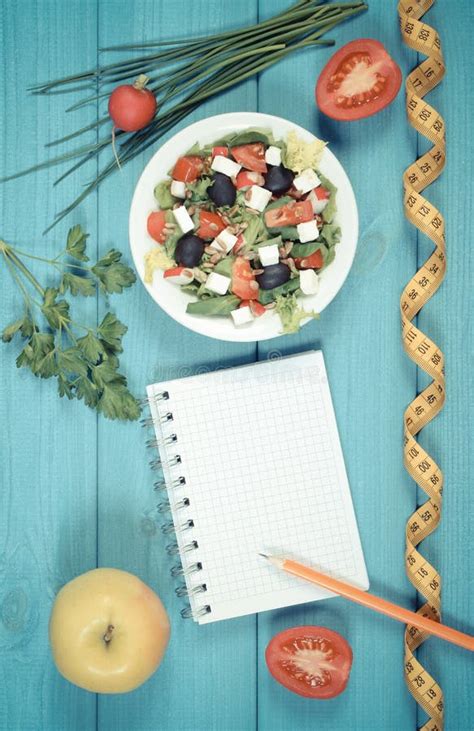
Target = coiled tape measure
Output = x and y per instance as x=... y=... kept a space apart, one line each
x=419 y=347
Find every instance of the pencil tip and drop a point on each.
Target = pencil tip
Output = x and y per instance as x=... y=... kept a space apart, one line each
x=265 y=555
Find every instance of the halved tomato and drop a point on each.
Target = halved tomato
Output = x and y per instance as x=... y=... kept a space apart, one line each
x=359 y=80
x=243 y=280
x=210 y=225
x=290 y=214
x=187 y=169
x=314 y=662
x=313 y=261
x=155 y=226
x=251 y=156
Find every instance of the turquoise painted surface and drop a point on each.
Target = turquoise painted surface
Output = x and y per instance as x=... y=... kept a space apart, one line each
x=76 y=490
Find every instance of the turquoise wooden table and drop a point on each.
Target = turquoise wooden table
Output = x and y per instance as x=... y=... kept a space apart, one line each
x=76 y=490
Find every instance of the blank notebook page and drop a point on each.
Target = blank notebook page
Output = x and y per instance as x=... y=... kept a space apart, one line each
x=264 y=471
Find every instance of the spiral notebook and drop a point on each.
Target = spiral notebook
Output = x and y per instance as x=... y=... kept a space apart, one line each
x=252 y=461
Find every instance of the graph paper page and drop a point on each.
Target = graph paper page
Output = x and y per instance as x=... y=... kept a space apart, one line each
x=264 y=470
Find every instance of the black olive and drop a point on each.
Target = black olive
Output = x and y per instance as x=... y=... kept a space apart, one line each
x=273 y=276
x=189 y=250
x=278 y=179
x=222 y=191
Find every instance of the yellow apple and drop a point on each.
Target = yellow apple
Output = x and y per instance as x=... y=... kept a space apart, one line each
x=108 y=631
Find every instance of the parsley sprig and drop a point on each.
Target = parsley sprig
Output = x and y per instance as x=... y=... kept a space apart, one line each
x=86 y=366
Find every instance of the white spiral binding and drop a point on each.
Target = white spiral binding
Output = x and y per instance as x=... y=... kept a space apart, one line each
x=173 y=481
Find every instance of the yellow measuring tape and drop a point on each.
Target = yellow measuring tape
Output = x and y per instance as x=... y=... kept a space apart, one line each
x=421 y=349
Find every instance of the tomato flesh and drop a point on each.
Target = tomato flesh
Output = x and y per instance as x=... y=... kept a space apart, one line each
x=187 y=169
x=314 y=662
x=313 y=261
x=251 y=157
x=290 y=214
x=359 y=80
x=220 y=150
x=155 y=226
x=243 y=281
x=210 y=224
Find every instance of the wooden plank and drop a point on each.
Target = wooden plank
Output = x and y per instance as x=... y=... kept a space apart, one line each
x=48 y=452
x=371 y=382
x=195 y=687
x=446 y=318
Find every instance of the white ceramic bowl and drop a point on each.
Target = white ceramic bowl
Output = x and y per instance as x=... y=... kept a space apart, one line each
x=169 y=296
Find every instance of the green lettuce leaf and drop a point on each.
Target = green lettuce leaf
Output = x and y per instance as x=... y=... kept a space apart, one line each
x=163 y=195
x=214 y=305
x=291 y=314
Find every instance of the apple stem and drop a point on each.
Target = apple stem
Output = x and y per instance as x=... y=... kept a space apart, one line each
x=108 y=635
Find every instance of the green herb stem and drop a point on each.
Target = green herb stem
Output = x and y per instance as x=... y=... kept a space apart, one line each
x=25 y=271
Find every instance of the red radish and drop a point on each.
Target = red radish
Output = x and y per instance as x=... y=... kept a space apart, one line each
x=131 y=107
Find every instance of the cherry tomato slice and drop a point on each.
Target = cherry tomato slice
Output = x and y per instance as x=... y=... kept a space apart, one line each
x=251 y=156
x=220 y=150
x=187 y=169
x=289 y=215
x=243 y=280
x=359 y=80
x=210 y=225
x=155 y=225
x=313 y=261
x=314 y=662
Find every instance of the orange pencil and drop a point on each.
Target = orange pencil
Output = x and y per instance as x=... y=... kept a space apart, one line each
x=373 y=602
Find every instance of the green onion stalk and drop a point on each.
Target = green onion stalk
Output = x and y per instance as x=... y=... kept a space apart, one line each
x=182 y=74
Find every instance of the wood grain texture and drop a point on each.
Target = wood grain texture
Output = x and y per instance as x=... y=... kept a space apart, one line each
x=448 y=319
x=370 y=382
x=48 y=447
x=195 y=687
x=76 y=491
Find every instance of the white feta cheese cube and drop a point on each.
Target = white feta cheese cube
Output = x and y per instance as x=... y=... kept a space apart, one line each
x=268 y=255
x=178 y=189
x=258 y=198
x=273 y=155
x=306 y=181
x=307 y=231
x=225 y=239
x=319 y=202
x=309 y=281
x=225 y=166
x=242 y=316
x=217 y=283
x=183 y=219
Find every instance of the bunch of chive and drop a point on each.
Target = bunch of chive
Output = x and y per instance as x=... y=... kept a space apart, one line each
x=201 y=68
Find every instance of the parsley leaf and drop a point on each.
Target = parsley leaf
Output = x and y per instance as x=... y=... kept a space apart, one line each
x=56 y=313
x=116 y=402
x=91 y=347
x=11 y=330
x=43 y=361
x=72 y=361
x=77 y=285
x=76 y=243
x=111 y=331
x=25 y=326
x=88 y=391
x=89 y=368
x=113 y=276
x=65 y=388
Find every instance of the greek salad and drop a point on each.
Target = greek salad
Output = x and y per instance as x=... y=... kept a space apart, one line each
x=246 y=225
